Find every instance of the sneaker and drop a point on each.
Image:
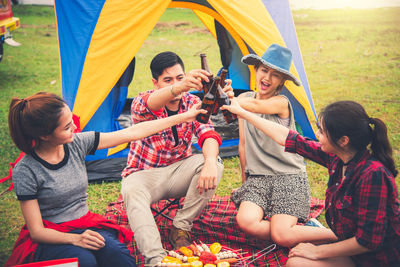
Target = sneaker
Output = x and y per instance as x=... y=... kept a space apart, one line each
x=179 y=238
x=315 y=223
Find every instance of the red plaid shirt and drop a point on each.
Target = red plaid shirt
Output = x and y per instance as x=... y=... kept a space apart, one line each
x=160 y=150
x=365 y=205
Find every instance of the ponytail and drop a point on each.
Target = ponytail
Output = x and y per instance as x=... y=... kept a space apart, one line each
x=15 y=123
x=33 y=117
x=348 y=118
x=380 y=146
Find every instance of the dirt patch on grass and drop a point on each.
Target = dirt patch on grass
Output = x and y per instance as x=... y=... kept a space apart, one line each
x=177 y=24
x=30 y=26
x=180 y=25
x=390 y=31
x=196 y=30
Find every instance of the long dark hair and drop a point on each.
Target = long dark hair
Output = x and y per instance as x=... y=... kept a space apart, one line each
x=35 y=116
x=348 y=118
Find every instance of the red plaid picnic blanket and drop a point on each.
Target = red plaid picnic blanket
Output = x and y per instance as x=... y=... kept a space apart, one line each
x=216 y=223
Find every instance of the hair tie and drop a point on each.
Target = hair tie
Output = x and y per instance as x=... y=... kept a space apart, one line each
x=23 y=103
x=371 y=120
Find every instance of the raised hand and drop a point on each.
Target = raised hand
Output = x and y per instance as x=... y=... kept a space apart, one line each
x=192 y=80
x=228 y=88
x=193 y=112
x=234 y=107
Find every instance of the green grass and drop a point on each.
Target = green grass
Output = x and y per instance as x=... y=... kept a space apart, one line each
x=348 y=54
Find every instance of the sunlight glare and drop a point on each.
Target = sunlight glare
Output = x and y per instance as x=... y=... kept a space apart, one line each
x=327 y=4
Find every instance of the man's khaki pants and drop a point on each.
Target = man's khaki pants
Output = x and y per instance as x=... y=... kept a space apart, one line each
x=142 y=188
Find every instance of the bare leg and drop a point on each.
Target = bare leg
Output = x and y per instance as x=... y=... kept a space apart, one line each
x=282 y=229
x=286 y=232
x=250 y=220
x=332 y=262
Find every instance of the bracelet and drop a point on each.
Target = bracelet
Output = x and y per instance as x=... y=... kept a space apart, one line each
x=172 y=92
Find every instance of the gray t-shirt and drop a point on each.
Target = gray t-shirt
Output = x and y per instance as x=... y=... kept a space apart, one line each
x=60 y=189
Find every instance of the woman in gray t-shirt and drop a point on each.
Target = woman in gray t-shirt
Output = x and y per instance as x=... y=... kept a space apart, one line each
x=51 y=182
x=275 y=183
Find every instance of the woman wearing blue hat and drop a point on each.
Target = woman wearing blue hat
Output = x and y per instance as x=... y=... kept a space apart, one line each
x=275 y=183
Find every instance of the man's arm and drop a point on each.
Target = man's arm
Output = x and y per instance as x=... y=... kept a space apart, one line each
x=208 y=177
x=159 y=98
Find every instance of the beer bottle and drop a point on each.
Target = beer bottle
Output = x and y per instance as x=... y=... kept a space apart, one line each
x=221 y=85
x=223 y=99
x=223 y=74
x=209 y=101
x=204 y=66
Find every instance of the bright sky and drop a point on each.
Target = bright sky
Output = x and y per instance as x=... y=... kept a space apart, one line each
x=327 y=4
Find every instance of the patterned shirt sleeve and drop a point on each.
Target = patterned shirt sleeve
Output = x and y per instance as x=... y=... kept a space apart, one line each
x=204 y=131
x=310 y=149
x=372 y=216
x=140 y=110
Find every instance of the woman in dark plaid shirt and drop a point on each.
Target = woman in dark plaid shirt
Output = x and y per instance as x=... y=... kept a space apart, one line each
x=362 y=206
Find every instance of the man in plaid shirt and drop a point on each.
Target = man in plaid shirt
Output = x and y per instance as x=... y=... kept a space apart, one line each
x=162 y=166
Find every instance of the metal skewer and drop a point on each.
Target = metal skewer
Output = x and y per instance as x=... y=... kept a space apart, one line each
x=262 y=253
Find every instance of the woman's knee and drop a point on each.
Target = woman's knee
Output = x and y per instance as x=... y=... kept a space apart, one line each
x=282 y=236
x=296 y=262
x=246 y=223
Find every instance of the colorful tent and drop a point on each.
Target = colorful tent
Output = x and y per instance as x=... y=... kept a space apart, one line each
x=98 y=41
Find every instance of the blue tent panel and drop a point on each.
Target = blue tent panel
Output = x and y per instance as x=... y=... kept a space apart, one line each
x=75 y=28
x=105 y=118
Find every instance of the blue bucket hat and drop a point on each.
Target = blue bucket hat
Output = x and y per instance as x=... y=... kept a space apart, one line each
x=276 y=57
